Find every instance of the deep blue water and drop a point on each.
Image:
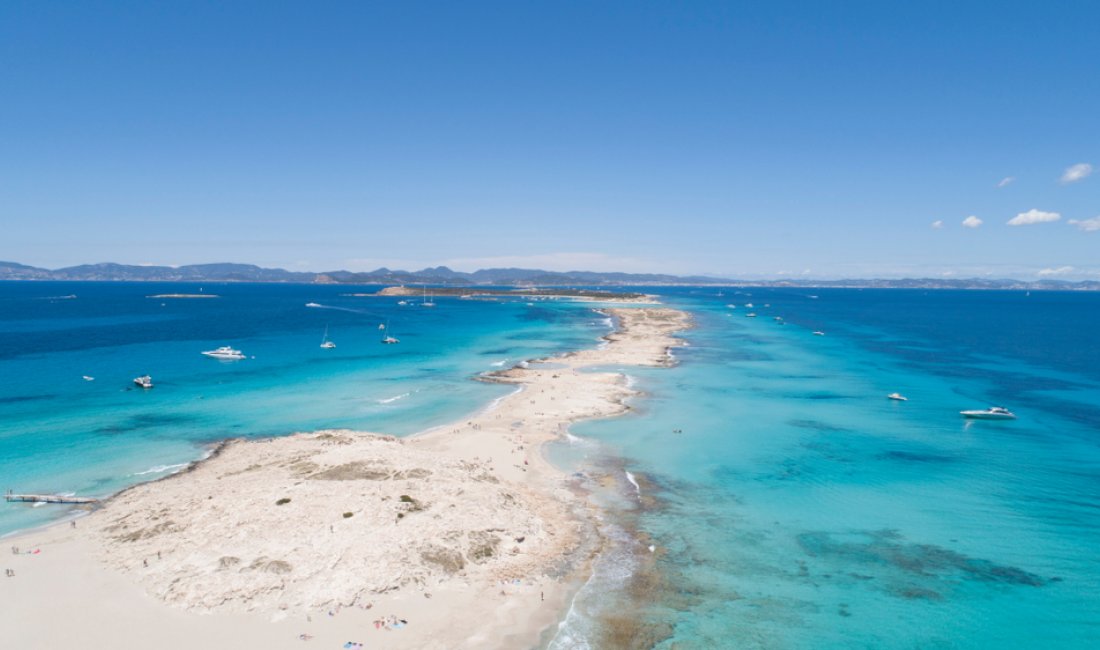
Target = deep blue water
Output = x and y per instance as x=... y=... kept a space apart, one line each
x=800 y=508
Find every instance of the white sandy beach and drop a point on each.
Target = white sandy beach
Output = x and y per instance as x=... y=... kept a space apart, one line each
x=459 y=537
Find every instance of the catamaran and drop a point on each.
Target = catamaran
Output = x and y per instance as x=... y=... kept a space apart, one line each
x=144 y=381
x=427 y=299
x=325 y=343
x=386 y=338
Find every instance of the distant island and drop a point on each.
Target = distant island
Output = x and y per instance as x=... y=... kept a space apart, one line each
x=442 y=276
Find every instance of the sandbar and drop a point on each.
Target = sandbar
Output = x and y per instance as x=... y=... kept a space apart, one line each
x=463 y=536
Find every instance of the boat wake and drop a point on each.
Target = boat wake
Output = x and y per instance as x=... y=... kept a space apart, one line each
x=390 y=400
x=314 y=305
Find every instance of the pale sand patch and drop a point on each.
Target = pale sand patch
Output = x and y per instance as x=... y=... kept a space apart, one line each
x=464 y=531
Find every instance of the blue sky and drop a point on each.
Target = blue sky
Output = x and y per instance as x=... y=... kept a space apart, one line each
x=748 y=139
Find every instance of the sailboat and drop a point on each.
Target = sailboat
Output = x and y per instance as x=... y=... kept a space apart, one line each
x=386 y=338
x=325 y=343
x=427 y=299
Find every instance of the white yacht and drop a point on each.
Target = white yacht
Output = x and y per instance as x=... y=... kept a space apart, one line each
x=819 y=333
x=225 y=352
x=387 y=339
x=89 y=378
x=325 y=343
x=402 y=302
x=750 y=315
x=312 y=304
x=145 y=381
x=992 y=413
x=897 y=397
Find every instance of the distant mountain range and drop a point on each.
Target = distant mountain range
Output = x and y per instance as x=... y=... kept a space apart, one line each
x=443 y=276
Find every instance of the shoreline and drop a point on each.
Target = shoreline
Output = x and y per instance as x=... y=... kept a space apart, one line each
x=497 y=568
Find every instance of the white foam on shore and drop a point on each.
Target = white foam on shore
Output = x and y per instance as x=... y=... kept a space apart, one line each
x=159 y=469
x=611 y=571
x=577 y=441
x=496 y=402
x=499 y=364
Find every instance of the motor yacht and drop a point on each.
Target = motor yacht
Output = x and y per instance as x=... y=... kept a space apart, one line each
x=991 y=413
x=225 y=352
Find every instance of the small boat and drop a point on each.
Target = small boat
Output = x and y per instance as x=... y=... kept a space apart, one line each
x=427 y=299
x=819 y=333
x=225 y=352
x=402 y=302
x=312 y=304
x=325 y=343
x=732 y=306
x=386 y=338
x=897 y=397
x=89 y=378
x=778 y=319
x=144 y=381
x=750 y=315
x=749 y=305
x=992 y=413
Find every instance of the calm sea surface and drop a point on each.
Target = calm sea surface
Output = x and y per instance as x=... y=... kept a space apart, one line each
x=800 y=508
x=788 y=503
x=62 y=434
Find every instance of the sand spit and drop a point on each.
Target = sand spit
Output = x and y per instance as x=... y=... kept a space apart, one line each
x=459 y=537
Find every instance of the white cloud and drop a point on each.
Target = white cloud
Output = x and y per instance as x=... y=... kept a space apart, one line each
x=1033 y=216
x=1074 y=173
x=1088 y=225
x=1061 y=270
x=1006 y=181
x=972 y=222
x=937 y=224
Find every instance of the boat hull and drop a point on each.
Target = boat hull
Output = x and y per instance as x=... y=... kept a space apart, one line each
x=986 y=415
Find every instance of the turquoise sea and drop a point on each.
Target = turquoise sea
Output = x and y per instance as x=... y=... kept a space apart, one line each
x=800 y=508
x=62 y=434
x=788 y=503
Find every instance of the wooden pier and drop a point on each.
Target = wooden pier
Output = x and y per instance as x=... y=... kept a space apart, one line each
x=47 y=498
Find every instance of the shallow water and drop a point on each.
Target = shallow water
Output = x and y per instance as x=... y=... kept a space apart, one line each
x=800 y=508
x=60 y=433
